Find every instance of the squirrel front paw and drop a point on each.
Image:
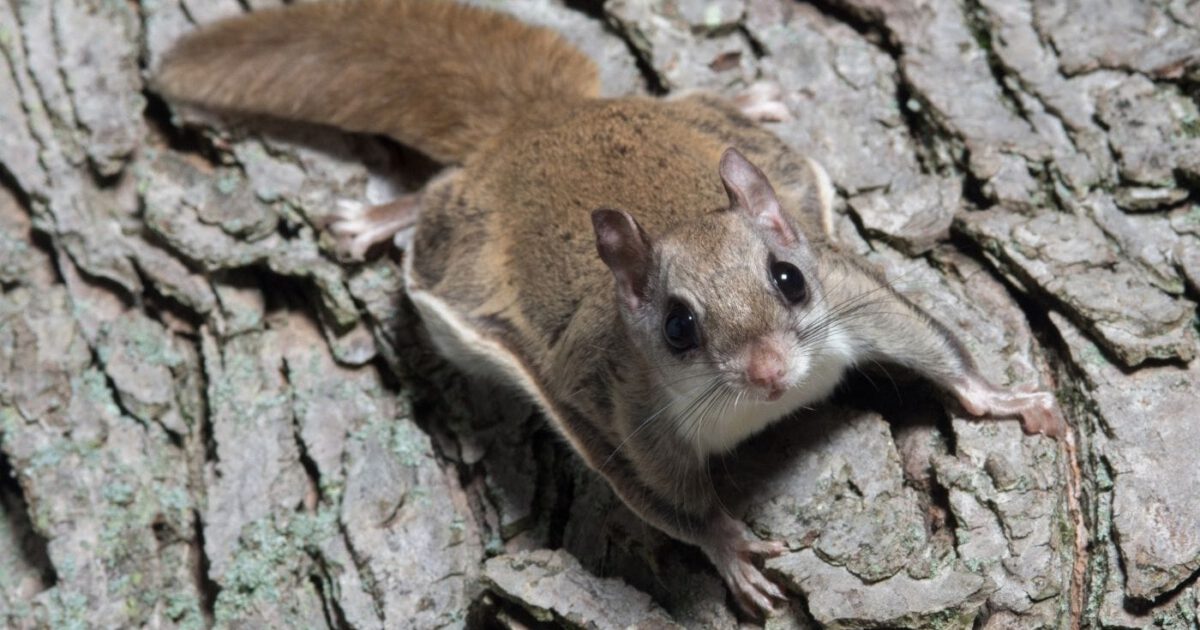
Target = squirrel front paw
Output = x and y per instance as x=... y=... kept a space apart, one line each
x=1039 y=411
x=733 y=551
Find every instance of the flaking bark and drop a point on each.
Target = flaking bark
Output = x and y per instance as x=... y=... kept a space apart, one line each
x=205 y=418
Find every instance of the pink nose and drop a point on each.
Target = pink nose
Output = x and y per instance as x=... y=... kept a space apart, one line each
x=766 y=368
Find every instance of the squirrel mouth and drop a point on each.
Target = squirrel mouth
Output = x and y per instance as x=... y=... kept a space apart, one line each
x=774 y=393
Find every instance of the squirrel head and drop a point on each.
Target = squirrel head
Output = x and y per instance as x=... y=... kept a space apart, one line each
x=730 y=300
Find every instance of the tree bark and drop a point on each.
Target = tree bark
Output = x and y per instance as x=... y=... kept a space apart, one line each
x=207 y=419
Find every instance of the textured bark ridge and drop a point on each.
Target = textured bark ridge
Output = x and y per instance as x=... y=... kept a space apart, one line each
x=206 y=419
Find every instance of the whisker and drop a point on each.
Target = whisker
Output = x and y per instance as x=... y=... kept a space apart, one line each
x=646 y=422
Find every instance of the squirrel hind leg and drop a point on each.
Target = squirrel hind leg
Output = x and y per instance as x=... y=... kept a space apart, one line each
x=357 y=227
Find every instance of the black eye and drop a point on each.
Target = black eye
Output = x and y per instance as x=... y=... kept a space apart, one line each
x=680 y=327
x=790 y=281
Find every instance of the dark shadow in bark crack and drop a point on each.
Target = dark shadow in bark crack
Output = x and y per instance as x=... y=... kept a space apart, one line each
x=31 y=547
x=9 y=182
x=201 y=568
x=179 y=138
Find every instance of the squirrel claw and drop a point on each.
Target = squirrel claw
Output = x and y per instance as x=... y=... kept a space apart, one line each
x=768 y=548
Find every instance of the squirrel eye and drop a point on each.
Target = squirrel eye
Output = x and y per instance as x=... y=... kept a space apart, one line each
x=680 y=328
x=790 y=281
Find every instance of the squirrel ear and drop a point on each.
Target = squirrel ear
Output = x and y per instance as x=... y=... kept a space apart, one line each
x=750 y=192
x=625 y=247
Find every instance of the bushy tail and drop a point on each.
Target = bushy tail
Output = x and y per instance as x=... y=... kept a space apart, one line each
x=435 y=75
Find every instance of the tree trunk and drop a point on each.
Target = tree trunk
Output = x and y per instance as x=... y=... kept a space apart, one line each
x=205 y=418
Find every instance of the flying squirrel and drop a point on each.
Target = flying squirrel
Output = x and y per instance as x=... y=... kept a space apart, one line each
x=657 y=274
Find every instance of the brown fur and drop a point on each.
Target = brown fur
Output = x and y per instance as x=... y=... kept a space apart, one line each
x=508 y=244
x=506 y=241
x=435 y=75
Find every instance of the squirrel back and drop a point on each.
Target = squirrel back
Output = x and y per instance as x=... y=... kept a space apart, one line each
x=437 y=76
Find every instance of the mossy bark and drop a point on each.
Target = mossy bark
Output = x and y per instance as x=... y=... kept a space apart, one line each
x=206 y=418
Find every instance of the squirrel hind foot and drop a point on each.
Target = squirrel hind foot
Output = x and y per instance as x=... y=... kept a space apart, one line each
x=763 y=102
x=357 y=227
